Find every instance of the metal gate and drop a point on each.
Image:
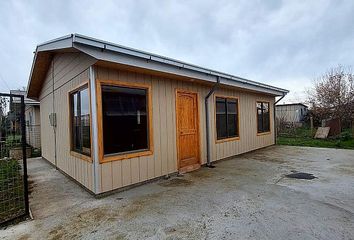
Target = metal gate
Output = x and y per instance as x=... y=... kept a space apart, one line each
x=13 y=165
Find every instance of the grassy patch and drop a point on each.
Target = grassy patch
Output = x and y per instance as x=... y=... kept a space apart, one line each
x=13 y=139
x=11 y=190
x=304 y=137
x=310 y=142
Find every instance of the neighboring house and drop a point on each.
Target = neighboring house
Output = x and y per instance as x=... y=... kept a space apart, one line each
x=33 y=124
x=113 y=116
x=291 y=113
x=32 y=118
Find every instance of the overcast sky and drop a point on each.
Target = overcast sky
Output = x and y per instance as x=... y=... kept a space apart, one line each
x=283 y=43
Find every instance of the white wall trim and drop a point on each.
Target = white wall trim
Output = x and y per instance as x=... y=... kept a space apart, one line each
x=96 y=164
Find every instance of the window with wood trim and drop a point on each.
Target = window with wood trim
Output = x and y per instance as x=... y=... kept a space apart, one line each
x=80 y=121
x=226 y=118
x=125 y=119
x=263 y=117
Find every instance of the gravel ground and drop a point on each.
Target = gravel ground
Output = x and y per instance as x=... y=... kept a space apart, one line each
x=247 y=197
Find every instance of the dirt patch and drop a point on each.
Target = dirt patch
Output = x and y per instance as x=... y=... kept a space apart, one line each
x=80 y=224
x=31 y=186
x=349 y=170
x=57 y=233
x=133 y=210
x=264 y=158
x=136 y=207
x=95 y=215
x=87 y=222
x=24 y=237
x=202 y=173
x=176 y=182
x=301 y=175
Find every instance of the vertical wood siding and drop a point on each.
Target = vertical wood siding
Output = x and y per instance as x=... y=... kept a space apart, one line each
x=47 y=136
x=70 y=70
x=122 y=173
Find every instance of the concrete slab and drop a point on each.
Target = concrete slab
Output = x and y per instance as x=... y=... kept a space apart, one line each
x=246 y=197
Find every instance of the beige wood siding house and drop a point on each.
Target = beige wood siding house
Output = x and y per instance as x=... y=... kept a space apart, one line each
x=171 y=115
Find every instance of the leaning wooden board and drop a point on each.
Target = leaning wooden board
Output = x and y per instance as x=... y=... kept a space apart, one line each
x=322 y=132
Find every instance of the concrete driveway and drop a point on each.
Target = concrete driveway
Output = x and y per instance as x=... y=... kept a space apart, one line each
x=247 y=197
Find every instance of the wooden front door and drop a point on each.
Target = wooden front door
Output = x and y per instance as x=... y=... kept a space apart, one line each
x=187 y=131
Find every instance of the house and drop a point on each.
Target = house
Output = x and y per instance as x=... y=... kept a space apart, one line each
x=32 y=118
x=291 y=112
x=113 y=116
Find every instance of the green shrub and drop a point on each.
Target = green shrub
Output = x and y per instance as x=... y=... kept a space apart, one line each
x=346 y=136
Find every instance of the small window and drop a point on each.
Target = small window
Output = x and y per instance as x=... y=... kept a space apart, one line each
x=125 y=119
x=263 y=117
x=80 y=121
x=226 y=118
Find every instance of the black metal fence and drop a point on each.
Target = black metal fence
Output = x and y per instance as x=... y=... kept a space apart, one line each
x=13 y=165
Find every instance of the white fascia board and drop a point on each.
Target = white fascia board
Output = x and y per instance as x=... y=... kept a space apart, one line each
x=55 y=45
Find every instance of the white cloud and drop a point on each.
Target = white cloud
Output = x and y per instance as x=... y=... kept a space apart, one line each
x=285 y=43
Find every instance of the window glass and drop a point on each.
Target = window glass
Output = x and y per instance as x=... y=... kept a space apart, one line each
x=232 y=117
x=226 y=118
x=263 y=117
x=80 y=121
x=221 y=121
x=125 y=119
x=85 y=121
x=266 y=117
x=259 y=117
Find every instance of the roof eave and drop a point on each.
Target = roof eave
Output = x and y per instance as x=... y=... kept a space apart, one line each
x=115 y=48
x=64 y=42
x=115 y=53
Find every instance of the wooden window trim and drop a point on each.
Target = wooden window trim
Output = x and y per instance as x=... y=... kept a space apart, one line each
x=238 y=119
x=125 y=155
x=72 y=152
x=270 y=119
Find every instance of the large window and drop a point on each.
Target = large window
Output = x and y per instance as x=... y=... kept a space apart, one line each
x=124 y=119
x=226 y=118
x=263 y=117
x=80 y=121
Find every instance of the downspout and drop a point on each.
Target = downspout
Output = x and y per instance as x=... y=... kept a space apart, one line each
x=212 y=90
x=274 y=110
x=54 y=121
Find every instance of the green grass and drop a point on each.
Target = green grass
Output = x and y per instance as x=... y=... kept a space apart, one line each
x=310 y=142
x=303 y=137
x=13 y=139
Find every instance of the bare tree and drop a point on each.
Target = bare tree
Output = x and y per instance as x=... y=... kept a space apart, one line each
x=333 y=95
